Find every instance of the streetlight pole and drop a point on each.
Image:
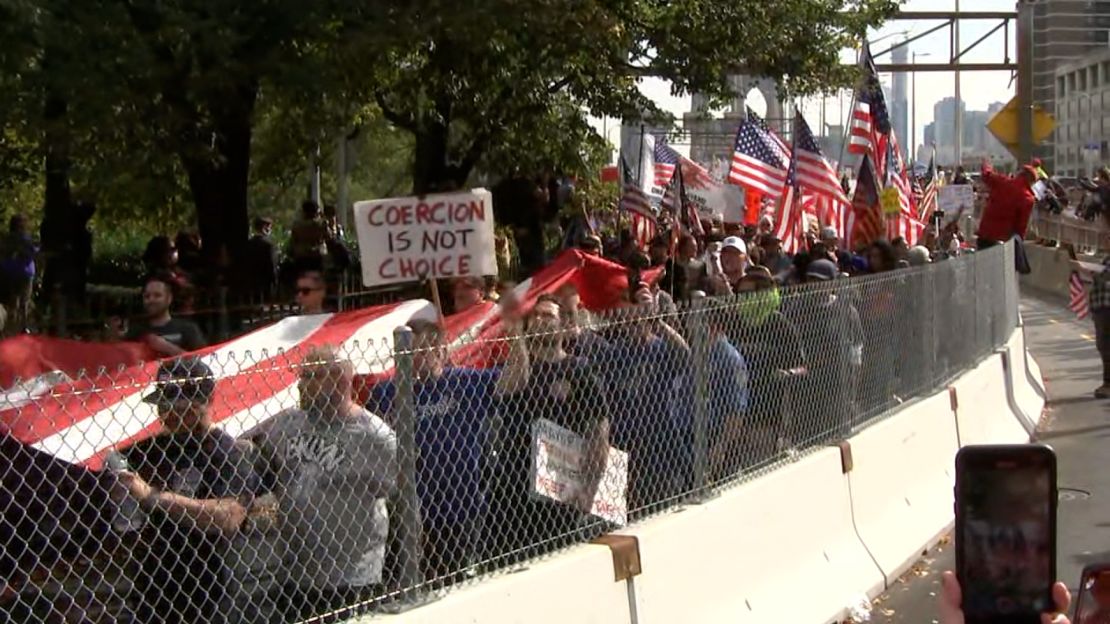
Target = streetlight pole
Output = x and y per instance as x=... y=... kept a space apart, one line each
x=959 y=101
x=913 y=107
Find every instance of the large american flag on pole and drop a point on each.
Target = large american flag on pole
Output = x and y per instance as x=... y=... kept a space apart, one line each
x=783 y=150
x=757 y=160
x=636 y=203
x=817 y=178
x=870 y=117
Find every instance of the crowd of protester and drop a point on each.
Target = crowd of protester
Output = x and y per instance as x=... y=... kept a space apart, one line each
x=724 y=355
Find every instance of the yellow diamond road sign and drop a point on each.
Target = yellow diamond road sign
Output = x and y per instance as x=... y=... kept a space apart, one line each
x=1004 y=125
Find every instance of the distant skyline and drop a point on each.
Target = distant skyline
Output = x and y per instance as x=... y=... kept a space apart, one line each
x=978 y=89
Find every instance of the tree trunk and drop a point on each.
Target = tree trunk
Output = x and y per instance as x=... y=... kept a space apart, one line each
x=432 y=169
x=218 y=180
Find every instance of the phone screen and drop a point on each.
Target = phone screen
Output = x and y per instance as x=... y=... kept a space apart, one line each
x=1093 y=606
x=1007 y=540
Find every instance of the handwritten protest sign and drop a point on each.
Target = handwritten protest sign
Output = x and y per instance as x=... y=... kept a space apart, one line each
x=889 y=201
x=557 y=470
x=955 y=199
x=406 y=239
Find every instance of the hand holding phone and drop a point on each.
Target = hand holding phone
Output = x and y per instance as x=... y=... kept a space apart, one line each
x=1006 y=533
x=951 y=599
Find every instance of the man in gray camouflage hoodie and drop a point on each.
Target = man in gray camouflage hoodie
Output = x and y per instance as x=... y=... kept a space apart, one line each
x=332 y=465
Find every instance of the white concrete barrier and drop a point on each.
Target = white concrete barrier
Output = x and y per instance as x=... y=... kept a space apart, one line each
x=902 y=482
x=1050 y=267
x=1024 y=381
x=783 y=543
x=574 y=586
x=983 y=415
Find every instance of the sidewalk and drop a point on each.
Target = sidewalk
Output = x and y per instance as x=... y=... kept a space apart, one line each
x=1077 y=426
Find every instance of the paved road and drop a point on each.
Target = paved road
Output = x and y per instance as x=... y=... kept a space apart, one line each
x=1077 y=426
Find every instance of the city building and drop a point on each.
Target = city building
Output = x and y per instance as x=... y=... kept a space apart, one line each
x=899 y=102
x=1082 y=96
x=1063 y=31
x=978 y=142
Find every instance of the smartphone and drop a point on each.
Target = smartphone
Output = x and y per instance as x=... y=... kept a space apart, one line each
x=1006 y=532
x=1092 y=606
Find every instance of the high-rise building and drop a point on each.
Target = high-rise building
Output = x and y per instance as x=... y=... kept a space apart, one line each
x=1082 y=114
x=1063 y=31
x=899 y=102
x=944 y=129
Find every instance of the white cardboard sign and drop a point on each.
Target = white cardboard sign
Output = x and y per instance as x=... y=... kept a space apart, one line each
x=954 y=198
x=557 y=457
x=407 y=239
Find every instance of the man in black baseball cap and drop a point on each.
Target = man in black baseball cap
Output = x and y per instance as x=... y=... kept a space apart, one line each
x=184 y=390
x=197 y=485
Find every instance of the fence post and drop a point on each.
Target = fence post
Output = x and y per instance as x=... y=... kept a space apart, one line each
x=408 y=507
x=699 y=343
x=223 y=324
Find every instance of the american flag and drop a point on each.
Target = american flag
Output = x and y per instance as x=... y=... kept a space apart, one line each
x=666 y=161
x=757 y=161
x=866 y=211
x=782 y=148
x=815 y=174
x=634 y=201
x=870 y=117
x=905 y=223
x=788 y=216
x=1078 y=292
x=928 y=204
x=678 y=203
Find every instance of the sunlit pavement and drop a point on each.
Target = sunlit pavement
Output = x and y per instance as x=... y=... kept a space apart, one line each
x=1077 y=426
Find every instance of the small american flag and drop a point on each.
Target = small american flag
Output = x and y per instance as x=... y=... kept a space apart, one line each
x=1078 y=291
x=666 y=161
x=905 y=223
x=678 y=203
x=757 y=162
x=634 y=201
x=788 y=216
x=928 y=204
x=815 y=174
x=870 y=117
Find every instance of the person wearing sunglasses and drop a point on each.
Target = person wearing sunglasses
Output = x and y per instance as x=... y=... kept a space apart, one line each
x=311 y=290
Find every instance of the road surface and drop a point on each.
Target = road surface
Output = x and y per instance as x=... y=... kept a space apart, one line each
x=1077 y=426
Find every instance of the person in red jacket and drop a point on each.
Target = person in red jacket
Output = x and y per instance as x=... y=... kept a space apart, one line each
x=1008 y=207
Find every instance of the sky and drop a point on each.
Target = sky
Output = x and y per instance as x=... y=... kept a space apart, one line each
x=978 y=89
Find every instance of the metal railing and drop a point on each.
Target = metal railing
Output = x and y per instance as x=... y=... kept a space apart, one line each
x=1084 y=236
x=253 y=488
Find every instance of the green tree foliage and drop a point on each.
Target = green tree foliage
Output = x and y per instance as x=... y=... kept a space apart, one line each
x=148 y=107
x=472 y=81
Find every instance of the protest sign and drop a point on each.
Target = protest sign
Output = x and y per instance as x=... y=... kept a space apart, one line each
x=955 y=200
x=889 y=201
x=406 y=239
x=557 y=472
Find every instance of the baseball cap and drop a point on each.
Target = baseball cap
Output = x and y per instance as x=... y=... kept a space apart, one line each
x=186 y=378
x=736 y=243
x=828 y=233
x=822 y=269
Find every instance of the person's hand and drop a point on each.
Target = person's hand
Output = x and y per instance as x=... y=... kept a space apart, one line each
x=139 y=489
x=951 y=598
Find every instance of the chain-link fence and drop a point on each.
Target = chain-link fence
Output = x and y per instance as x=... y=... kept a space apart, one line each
x=254 y=488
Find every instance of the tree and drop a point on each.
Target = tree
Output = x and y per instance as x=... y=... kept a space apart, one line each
x=477 y=80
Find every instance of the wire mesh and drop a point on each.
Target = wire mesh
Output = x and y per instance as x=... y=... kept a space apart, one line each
x=319 y=483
